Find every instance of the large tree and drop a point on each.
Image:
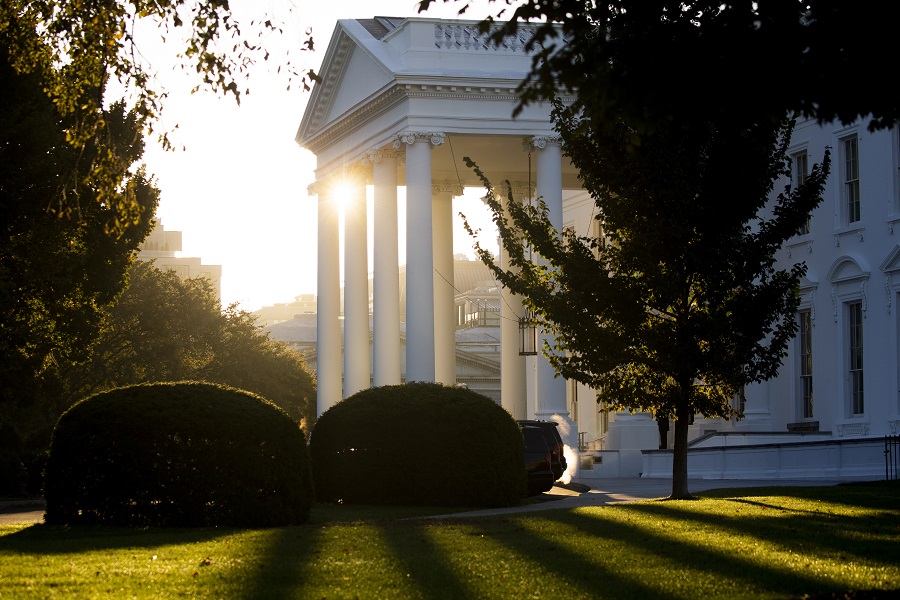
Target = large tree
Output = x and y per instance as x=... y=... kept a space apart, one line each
x=165 y=328
x=58 y=271
x=678 y=304
x=74 y=200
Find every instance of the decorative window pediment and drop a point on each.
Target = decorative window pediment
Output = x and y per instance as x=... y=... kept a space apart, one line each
x=847 y=268
x=849 y=277
x=891 y=264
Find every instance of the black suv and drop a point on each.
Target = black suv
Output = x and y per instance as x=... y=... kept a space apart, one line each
x=537 y=461
x=550 y=429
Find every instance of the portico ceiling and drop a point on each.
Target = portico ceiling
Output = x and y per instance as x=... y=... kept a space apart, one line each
x=382 y=77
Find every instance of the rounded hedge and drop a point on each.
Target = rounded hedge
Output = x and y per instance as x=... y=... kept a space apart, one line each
x=177 y=454
x=418 y=444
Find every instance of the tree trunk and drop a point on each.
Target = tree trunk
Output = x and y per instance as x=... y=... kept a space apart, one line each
x=679 y=453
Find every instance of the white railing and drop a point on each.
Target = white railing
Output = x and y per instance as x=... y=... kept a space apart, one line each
x=449 y=36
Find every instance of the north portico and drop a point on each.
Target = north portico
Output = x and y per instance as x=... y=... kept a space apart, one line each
x=400 y=102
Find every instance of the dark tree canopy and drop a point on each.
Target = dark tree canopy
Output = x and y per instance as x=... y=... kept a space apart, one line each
x=825 y=59
x=58 y=271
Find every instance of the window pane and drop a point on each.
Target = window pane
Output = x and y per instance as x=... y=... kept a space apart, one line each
x=850 y=177
x=855 y=337
x=806 y=387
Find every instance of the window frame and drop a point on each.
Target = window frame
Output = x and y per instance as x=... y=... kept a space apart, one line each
x=805 y=379
x=798 y=178
x=851 y=197
x=854 y=359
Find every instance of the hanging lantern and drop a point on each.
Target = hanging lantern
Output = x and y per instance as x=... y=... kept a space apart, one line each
x=527 y=334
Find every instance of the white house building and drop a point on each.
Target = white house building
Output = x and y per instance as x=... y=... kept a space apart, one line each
x=402 y=101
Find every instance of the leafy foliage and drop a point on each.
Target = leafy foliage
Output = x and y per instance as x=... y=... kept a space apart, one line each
x=178 y=454
x=418 y=444
x=76 y=48
x=679 y=304
x=58 y=271
x=164 y=328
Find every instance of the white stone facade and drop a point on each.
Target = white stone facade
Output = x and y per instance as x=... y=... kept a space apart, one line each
x=401 y=102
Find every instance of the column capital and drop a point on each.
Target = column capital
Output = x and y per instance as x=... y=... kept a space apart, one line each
x=313 y=188
x=539 y=142
x=523 y=189
x=411 y=137
x=376 y=156
x=454 y=189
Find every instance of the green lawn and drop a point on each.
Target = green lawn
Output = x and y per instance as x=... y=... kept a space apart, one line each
x=762 y=543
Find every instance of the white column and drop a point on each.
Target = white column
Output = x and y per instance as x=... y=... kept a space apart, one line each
x=328 y=301
x=444 y=291
x=513 y=389
x=419 y=256
x=386 y=280
x=356 y=292
x=551 y=390
x=513 y=393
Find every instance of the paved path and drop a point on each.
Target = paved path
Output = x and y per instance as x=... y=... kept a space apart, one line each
x=10 y=516
x=614 y=491
x=601 y=492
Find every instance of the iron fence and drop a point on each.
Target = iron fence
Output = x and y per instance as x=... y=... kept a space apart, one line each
x=891 y=457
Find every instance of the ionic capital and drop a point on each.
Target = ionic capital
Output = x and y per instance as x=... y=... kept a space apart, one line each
x=411 y=137
x=522 y=189
x=539 y=142
x=372 y=157
x=454 y=189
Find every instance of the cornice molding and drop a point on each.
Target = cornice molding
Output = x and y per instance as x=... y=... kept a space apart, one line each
x=397 y=93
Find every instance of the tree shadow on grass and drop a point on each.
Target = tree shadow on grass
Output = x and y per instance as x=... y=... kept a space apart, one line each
x=285 y=565
x=422 y=562
x=866 y=494
x=61 y=539
x=660 y=551
x=820 y=533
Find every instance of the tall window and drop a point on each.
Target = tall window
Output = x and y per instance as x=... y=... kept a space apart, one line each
x=799 y=171
x=806 y=365
x=850 y=177
x=855 y=354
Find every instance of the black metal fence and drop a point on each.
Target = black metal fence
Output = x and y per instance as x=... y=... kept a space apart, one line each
x=891 y=457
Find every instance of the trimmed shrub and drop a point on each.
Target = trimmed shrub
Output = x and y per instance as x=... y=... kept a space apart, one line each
x=177 y=454
x=418 y=444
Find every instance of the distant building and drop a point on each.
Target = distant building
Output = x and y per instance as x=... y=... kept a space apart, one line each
x=161 y=246
x=304 y=304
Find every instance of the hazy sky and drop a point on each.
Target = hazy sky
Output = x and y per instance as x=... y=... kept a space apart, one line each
x=239 y=190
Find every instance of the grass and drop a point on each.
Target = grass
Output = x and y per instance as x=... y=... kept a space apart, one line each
x=759 y=543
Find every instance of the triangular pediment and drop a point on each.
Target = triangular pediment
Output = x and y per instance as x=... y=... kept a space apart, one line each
x=351 y=73
x=361 y=76
x=891 y=264
x=807 y=284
